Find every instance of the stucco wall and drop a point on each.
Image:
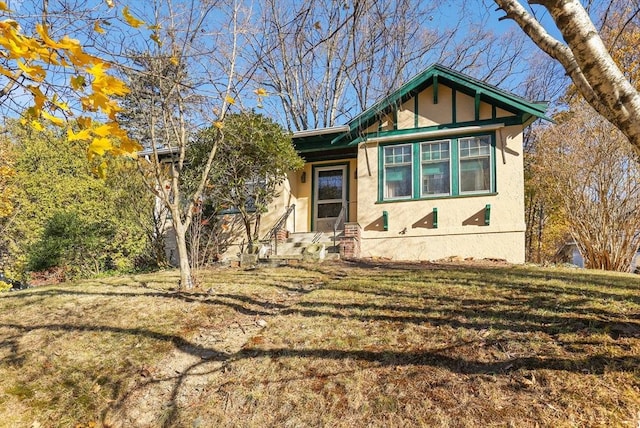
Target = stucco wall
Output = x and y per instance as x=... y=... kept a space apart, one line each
x=461 y=230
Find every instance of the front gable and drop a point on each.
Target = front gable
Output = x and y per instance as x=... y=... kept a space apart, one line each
x=440 y=98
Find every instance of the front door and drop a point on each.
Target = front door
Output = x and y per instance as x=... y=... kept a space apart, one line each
x=330 y=196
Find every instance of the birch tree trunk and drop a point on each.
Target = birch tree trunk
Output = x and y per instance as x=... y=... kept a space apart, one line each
x=585 y=59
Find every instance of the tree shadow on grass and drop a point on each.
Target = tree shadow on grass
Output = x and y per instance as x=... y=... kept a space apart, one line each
x=532 y=309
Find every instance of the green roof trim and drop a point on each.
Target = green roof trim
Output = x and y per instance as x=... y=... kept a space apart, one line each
x=525 y=111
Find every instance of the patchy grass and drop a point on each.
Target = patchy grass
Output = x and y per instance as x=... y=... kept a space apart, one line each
x=337 y=344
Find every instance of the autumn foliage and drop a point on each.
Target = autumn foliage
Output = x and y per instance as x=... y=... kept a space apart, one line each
x=34 y=62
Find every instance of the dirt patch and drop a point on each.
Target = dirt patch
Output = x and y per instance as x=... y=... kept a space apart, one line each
x=183 y=379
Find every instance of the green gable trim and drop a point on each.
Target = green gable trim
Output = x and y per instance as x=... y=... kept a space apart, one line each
x=435 y=88
x=454 y=104
x=433 y=76
x=524 y=112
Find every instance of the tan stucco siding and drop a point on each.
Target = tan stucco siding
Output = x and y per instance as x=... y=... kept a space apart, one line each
x=465 y=108
x=286 y=196
x=461 y=230
x=407 y=115
x=435 y=247
x=503 y=113
x=430 y=114
x=486 y=111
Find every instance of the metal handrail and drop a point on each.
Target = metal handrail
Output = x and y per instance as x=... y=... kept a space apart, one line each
x=277 y=226
x=337 y=223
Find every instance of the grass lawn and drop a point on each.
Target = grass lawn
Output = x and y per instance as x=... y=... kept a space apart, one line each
x=336 y=344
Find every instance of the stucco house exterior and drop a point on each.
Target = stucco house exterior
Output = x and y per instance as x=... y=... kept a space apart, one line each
x=433 y=170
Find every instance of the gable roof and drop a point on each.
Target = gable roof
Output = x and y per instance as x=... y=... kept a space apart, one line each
x=433 y=76
x=440 y=74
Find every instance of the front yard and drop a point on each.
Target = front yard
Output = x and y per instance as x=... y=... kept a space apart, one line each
x=335 y=344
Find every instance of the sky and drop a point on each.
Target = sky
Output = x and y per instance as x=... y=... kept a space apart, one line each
x=473 y=13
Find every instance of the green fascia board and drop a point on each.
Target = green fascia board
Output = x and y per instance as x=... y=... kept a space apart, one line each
x=303 y=145
x=315 y=143
x=464 y=83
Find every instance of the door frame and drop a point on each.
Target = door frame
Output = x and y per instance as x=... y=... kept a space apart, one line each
x=344 y=166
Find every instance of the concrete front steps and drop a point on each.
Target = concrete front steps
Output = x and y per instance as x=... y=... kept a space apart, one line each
x=312 y=246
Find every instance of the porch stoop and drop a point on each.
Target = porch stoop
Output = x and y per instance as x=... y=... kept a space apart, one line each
x=302 y=246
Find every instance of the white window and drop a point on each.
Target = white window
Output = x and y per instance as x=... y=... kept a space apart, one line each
x=398 y=162
x=436 y=168
x=475 y=164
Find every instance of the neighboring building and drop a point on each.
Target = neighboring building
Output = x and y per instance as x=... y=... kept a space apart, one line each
x=434 y=170
x=570 y=253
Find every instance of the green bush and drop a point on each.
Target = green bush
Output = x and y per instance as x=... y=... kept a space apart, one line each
x=78 y=246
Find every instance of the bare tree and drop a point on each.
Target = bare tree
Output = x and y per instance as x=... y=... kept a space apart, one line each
x=596 y=180
x=186 y=78
x=585 y=58
x=328 y=60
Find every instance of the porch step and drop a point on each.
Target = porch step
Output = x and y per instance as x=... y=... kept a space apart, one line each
x=295 y=246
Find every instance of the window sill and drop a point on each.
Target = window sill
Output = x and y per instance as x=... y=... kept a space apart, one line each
x=436 y=198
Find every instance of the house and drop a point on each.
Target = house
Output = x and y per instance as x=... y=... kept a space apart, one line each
x=433 y=170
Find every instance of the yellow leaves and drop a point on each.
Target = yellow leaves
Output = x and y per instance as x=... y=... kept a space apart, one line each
x=38 y=97
x=28 y=60
x=104 y=83
x=12 y=41
x=43 y=33
x=7 y=73
x=59 y=104
x=97 y=28
x=130 y=19
x=156 y=39
x=36 y=72
x=55 y=120
x=218 y=124
x=105 y=138
x=229 y=99
x=99 y=146
x=97 y=70
x=130 y=147
x=174 y=60
x=261 y=93
x=84 y=134
x=78 y=82
x=36 y=125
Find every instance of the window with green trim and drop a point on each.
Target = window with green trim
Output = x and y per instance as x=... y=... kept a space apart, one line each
x=435 y=170
x=475 y=164
x=398 y=166
x=439 y=168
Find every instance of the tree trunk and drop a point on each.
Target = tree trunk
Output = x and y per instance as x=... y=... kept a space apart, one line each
x=186 y=282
